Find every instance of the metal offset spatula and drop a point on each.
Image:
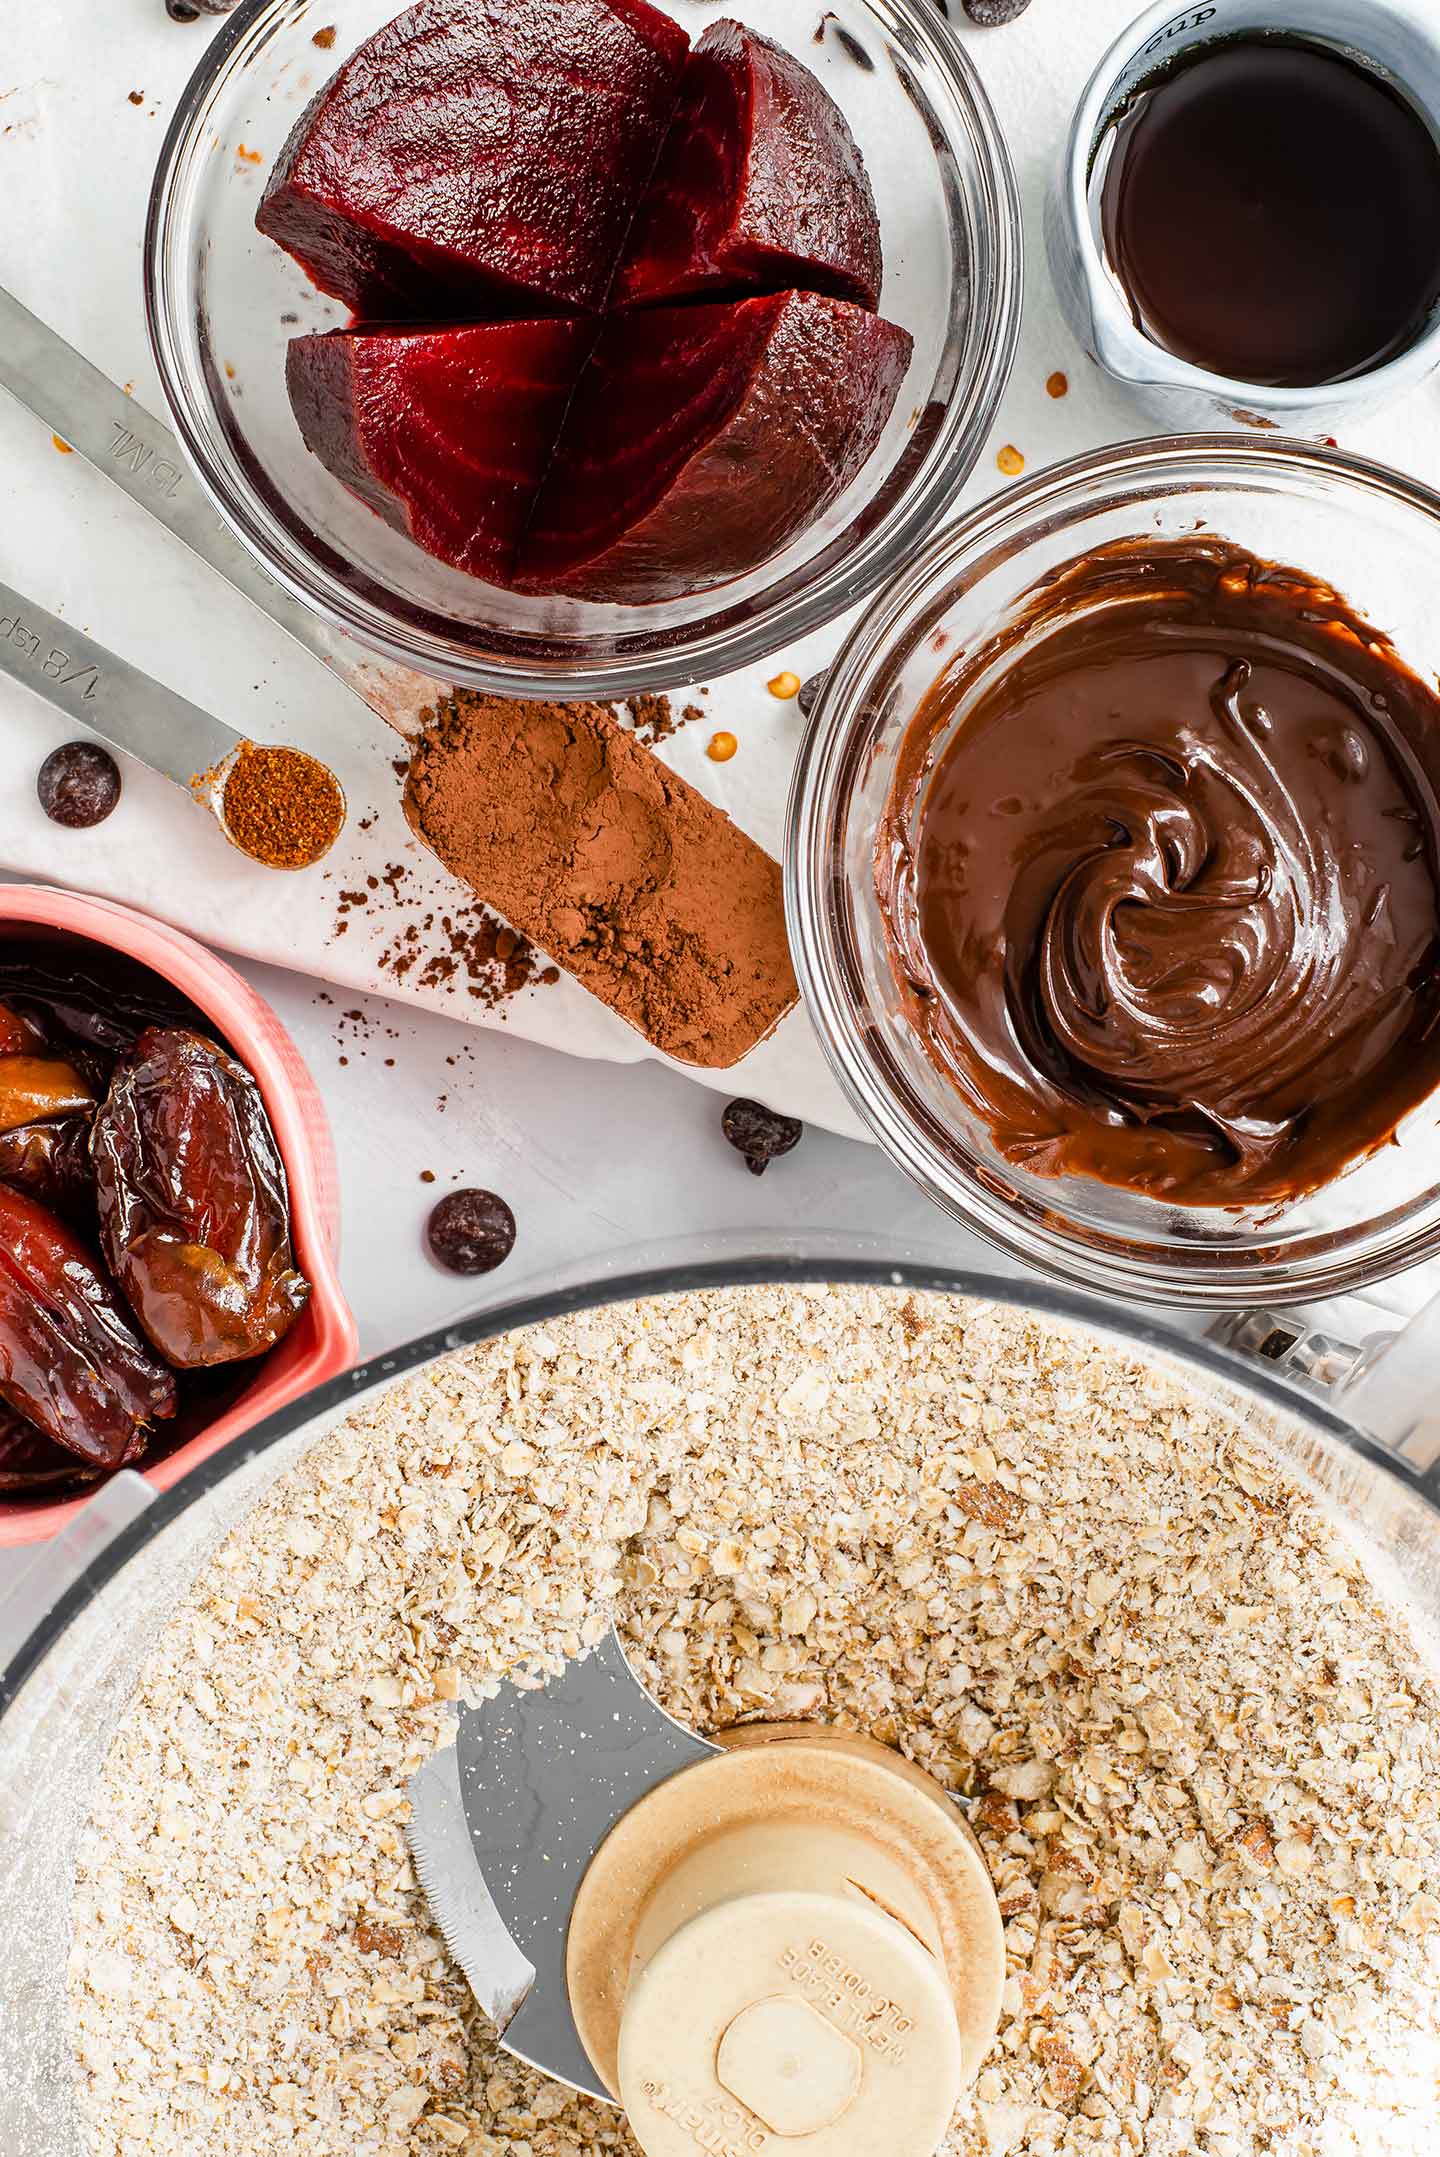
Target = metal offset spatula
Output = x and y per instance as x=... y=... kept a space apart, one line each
x=790 y=1935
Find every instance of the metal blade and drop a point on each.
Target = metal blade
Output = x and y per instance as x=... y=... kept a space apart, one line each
x=541 y=1777
x=461 y=1904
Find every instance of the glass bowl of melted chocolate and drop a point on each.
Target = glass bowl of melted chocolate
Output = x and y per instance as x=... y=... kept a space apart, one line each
x=1114 y=871
x=583 y=345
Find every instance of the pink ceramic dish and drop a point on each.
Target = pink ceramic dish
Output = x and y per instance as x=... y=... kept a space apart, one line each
x=323 y=1342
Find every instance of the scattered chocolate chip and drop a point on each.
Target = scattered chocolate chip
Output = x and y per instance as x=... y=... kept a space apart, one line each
x=845 y=39
x=761 y=1134
x=989 y=14
x=471 y=1231
x=810 y=690
x=851 y=44
x=78 y=785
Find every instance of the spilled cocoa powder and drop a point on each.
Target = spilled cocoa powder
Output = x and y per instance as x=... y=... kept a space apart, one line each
x=589 y=846
x=655 y=719
x=466 y=948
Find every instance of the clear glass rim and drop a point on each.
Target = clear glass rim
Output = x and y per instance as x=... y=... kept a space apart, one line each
x=631 y=662
x=1188 y=1275
x=720 y=1262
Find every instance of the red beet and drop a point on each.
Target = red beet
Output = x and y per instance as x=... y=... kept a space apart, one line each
x=701 y=439
x=444 y=433
x=490 y=151
x=760 y=185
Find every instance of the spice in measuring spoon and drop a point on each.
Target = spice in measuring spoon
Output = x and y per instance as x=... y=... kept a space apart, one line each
x=280 y=806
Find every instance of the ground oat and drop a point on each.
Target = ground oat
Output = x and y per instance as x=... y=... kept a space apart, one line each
x=1204 y=1765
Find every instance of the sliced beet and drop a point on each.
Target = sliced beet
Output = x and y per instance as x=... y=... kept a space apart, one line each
x=487 y=150
x=444 y=433
x=702 y=438
x=760 y=186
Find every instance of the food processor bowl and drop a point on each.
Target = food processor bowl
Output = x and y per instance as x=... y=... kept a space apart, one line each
x=114 y=1579
x=223 y=303
x=1370 y=532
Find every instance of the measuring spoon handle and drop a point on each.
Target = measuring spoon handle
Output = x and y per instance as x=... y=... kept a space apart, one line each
x=106 y=695
x=120 y=438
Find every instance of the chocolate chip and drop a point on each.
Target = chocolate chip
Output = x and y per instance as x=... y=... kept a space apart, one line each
x=78 y=785
x=991 y=13
x=761 y=1134
x=851 y=44
x=471 y=1232
x=809 y=694
x=845 y=39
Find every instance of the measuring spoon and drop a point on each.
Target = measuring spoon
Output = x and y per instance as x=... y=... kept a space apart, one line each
x=129 y=709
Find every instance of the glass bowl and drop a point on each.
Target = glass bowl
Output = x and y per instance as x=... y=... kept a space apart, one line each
x=223 y=302
x=1374 y=535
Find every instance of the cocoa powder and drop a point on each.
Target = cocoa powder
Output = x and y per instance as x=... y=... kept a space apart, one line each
x=632 y=880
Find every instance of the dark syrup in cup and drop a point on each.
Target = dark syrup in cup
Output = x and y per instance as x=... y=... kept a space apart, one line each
x=1271 y=211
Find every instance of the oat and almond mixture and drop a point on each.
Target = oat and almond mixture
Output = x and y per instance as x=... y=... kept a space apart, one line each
x=1203 y=1761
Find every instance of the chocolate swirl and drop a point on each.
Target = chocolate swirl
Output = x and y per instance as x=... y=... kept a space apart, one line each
x=1164 y=903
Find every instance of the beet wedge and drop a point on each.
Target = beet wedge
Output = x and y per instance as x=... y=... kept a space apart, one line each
x=485 y=151
x=702 y=438
x=760 y=186
x=444 y=433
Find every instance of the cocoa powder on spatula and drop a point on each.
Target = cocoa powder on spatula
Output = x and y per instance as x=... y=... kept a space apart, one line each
x=622 y=871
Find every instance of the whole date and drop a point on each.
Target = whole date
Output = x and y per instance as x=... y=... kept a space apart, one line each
x=194 y=1209
x=70 y=1363
x=51 y=1162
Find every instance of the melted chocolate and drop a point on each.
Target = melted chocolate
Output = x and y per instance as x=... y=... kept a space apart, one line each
x=1272 y=211
x=1164 y=904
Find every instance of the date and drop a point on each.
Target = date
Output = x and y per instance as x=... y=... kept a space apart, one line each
x=19 y=1035
x=51 y=1162
x=70 y=1362
x=33 y=1089
x=97 y=1006
x=194 y=1206
x=32 y=1465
